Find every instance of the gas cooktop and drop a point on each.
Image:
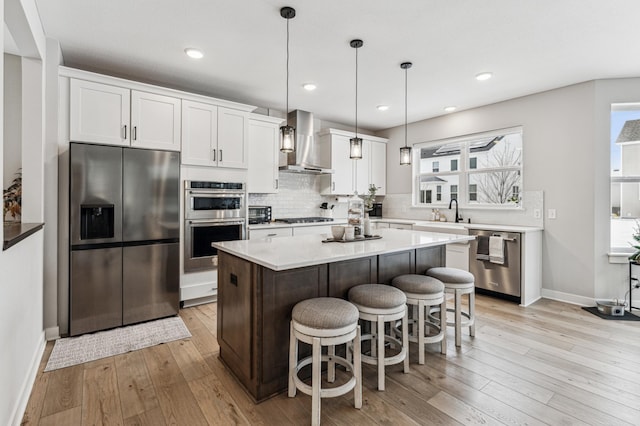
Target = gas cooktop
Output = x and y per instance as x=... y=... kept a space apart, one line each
x=304 y=219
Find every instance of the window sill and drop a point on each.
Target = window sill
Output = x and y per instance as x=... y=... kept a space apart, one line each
x=619 y=257
x=14 y=232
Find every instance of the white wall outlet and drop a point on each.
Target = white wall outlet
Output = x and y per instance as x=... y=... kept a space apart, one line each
x=551 y=213
x=537 y=213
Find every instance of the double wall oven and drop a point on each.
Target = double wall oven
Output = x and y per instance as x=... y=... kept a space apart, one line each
x=214 y=211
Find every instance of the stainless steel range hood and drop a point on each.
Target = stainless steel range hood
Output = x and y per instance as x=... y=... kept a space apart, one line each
x=310 y=155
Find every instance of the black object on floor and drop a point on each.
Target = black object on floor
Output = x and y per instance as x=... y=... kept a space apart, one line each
x=627 y=316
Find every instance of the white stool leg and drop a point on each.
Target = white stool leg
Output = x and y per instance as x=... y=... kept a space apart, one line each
x=421 y=314
x=443 y=326
x=316 y=381
x=293 y=360
x=380 y=344
x=331 y=364
x=458 y=317
x=472 y=313
x=405 y=339
x=373 y=331
x=357 y=370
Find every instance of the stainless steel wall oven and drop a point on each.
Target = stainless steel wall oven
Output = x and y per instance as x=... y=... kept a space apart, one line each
x=214 y=211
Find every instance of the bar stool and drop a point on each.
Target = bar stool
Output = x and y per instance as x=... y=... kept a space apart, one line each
x=458 y=282
x=324 y=321
x=424 y=292
x=380 y=304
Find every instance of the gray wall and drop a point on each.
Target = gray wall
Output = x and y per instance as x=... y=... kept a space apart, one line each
x=566 y=155
x=12 y=118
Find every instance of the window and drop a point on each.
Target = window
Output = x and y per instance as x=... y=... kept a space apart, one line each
x=473 y=192
x=625 y=175
x=486 y=170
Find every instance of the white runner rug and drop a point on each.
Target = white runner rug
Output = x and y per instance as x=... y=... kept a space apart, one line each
x=89 y=347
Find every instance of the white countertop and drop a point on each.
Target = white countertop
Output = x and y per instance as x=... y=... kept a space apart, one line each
x=462 y=225
x=285 y=253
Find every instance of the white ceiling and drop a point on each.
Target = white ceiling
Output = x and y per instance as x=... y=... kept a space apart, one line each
x=530 y=46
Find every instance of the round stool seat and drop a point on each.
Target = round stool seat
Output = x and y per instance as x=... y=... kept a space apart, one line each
x=451 y=275
x=418 y=284
x=325 y=313
x=377 y=296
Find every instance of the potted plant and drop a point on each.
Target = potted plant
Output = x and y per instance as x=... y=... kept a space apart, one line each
x=12 y=198
x=370 y=198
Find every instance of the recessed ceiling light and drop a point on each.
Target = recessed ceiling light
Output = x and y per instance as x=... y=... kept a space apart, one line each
x=309 y=86
x=193 y=53
x=484 y=76
x=450 y=108
x=382 y=107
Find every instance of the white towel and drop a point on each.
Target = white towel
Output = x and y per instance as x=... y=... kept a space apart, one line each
x=496 y=249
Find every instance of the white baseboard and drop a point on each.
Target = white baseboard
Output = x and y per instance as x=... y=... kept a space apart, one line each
x=27 y=384
x=52 y=333
x=568 y=298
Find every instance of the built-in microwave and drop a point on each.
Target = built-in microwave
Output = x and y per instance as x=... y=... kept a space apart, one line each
x=214 y=200
x=376 y=211
x=259 y=214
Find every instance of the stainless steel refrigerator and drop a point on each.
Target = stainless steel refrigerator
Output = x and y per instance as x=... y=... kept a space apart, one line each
x=124 y=236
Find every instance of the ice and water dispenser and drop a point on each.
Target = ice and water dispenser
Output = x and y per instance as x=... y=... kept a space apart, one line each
x=96 y=221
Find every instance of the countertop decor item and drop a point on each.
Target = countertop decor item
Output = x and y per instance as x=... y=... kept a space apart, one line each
x=364 y=238
x=370 y=198
x=12 y=199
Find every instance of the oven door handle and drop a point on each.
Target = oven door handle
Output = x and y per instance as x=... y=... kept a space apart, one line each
x=216 y=194
x=209 y=222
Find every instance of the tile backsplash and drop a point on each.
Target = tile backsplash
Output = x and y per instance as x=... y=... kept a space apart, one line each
x=298 y=196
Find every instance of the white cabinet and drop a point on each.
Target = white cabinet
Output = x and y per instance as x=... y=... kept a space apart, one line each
x=262 y=170
x=378 y=167
x=111 y=115
x=255 y=234
x=213 y=136
x=313 y=230
x=351 y=175
x=457 y=256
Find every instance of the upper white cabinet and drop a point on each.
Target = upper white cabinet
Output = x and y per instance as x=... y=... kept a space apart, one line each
x=112 y=115
x=378 y=166
x=99 y=113
x=213 y=135
x=351 y=175
x=262 y=171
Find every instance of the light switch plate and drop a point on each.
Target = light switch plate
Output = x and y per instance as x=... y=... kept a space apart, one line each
x=551 y=213
x=537 y=214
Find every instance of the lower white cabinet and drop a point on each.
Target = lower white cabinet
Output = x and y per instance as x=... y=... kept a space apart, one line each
x=255 y=234
x=457 y=256
x=313 y=230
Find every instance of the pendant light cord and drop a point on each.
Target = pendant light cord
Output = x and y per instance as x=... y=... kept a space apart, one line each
x=287 y=103
x=405 y=107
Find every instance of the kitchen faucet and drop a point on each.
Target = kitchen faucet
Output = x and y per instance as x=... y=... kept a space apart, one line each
x=458 y=218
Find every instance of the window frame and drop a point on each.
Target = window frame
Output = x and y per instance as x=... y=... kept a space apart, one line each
x=464 y=171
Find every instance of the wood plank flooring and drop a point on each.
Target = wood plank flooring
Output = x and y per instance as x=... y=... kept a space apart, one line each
x=551 y=363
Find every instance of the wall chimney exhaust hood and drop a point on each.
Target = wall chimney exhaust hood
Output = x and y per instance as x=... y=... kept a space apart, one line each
x=310 y=156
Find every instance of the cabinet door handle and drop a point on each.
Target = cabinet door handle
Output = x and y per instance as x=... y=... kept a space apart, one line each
x=333 y=185
x=135 y=133
x=220 y=155
x=271 y=235
x=125 y=131
x=277 y=183
x=214 y=154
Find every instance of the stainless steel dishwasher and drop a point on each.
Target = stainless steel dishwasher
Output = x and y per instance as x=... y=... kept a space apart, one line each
x=494 y=278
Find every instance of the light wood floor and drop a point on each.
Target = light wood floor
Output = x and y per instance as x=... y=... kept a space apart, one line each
x=551 y=363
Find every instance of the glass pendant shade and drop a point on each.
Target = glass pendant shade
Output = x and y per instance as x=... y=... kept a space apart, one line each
x=287 y=139
x=405 y=155
x=355 y=148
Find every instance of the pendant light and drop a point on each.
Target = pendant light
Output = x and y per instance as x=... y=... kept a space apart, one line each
x=405 y=151
x=355 y=143
x=287 y=133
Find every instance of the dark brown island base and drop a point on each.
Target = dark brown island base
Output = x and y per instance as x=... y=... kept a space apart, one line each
x=259 y=282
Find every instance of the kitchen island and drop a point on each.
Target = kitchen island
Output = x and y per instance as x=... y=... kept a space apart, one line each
x=259 y=282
